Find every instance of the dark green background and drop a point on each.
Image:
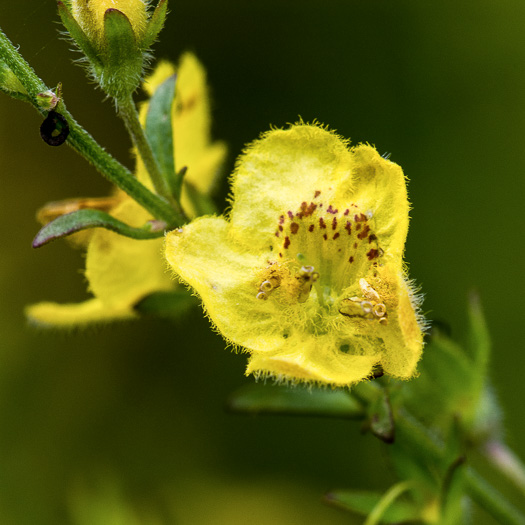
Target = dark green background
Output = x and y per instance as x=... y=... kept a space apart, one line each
x=137 y=408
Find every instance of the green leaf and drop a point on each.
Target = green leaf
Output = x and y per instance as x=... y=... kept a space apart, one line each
x=166 y=304
x=83 y=219
x=155 y=25
x=276 y=399
x=159 y=131
x=78 y=35
x=123 y=60
x=364 y=502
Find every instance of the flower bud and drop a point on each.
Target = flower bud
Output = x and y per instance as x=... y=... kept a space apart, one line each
x=114 y=35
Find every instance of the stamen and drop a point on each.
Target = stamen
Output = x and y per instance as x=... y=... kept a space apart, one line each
x=379 y=310
x=266 y=286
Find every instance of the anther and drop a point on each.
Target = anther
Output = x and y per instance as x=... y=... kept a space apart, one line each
x=266 y=286
x=366 y=306
x=379 y=310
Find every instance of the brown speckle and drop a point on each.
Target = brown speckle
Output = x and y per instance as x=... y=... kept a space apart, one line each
x=280 y=228
x=281 y=219
x=330 y=209
x=351 y=260
x=322 y=224
x=358 y=227
x=360 y=218
x=364 y=233
x=316 y=194
x=280 y=254
x=311 y=227
x=290 y=214
x=372 y=254
x=325 y=237
x=336 y=234
x=348 y=227
x=347 y=211
x=286 y=242
x=355 y=246
x=372 y=238
x=294 y=227
x=334 y=223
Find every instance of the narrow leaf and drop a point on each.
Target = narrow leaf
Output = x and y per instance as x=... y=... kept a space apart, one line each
x=155 y=25
x=166 y=304
x=276 y=399
x=159 y=131
x=364 y=502
x=83 y=219
x=78 y=35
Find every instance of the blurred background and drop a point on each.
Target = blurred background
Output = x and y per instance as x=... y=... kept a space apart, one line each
x=125 y=424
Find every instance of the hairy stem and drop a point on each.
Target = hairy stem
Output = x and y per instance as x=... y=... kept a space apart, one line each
x=84 y=144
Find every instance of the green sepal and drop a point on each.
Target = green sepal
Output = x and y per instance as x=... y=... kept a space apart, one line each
x=123 y=60
x=159 y=131
x=298 y=401
x=381 y=418
x=478 y=344
x=452 y=494
x=155 y=25
x=364 y=502
x=166 y=304
x=84 y=219
x=78 y=35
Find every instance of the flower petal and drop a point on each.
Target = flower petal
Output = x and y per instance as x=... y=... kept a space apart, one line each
x=76 y=314
x=121 y=270
x=283 y=169
x=204 y=255
x=312 y=360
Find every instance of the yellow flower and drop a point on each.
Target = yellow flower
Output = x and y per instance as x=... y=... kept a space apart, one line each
x=120 y=270
x=307 y=274
x=90 y=16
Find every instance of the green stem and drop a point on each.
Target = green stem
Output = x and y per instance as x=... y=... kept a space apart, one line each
x=82 y=142
x=128 y=112
x=420 y=441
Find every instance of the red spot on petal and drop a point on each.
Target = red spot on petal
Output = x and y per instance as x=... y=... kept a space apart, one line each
x=336 y=234
x=347 y=211
x=280 y=228
x=325 y=237
x=330 y=209
x=355 y=246
x=351 y=260
x=358 y=227
x=364 y=233
x=281 y=219
x=286 y=242
x=316 y=194
x=334 y=223
x=294 y=227
x=372 y=238
x=311 y=227
x=348 y=227
x=322 y=224
x=360 y=218
x=372 y=254
x=290 y=214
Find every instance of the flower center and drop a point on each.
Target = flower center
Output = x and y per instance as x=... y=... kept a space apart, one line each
x=331 y=250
